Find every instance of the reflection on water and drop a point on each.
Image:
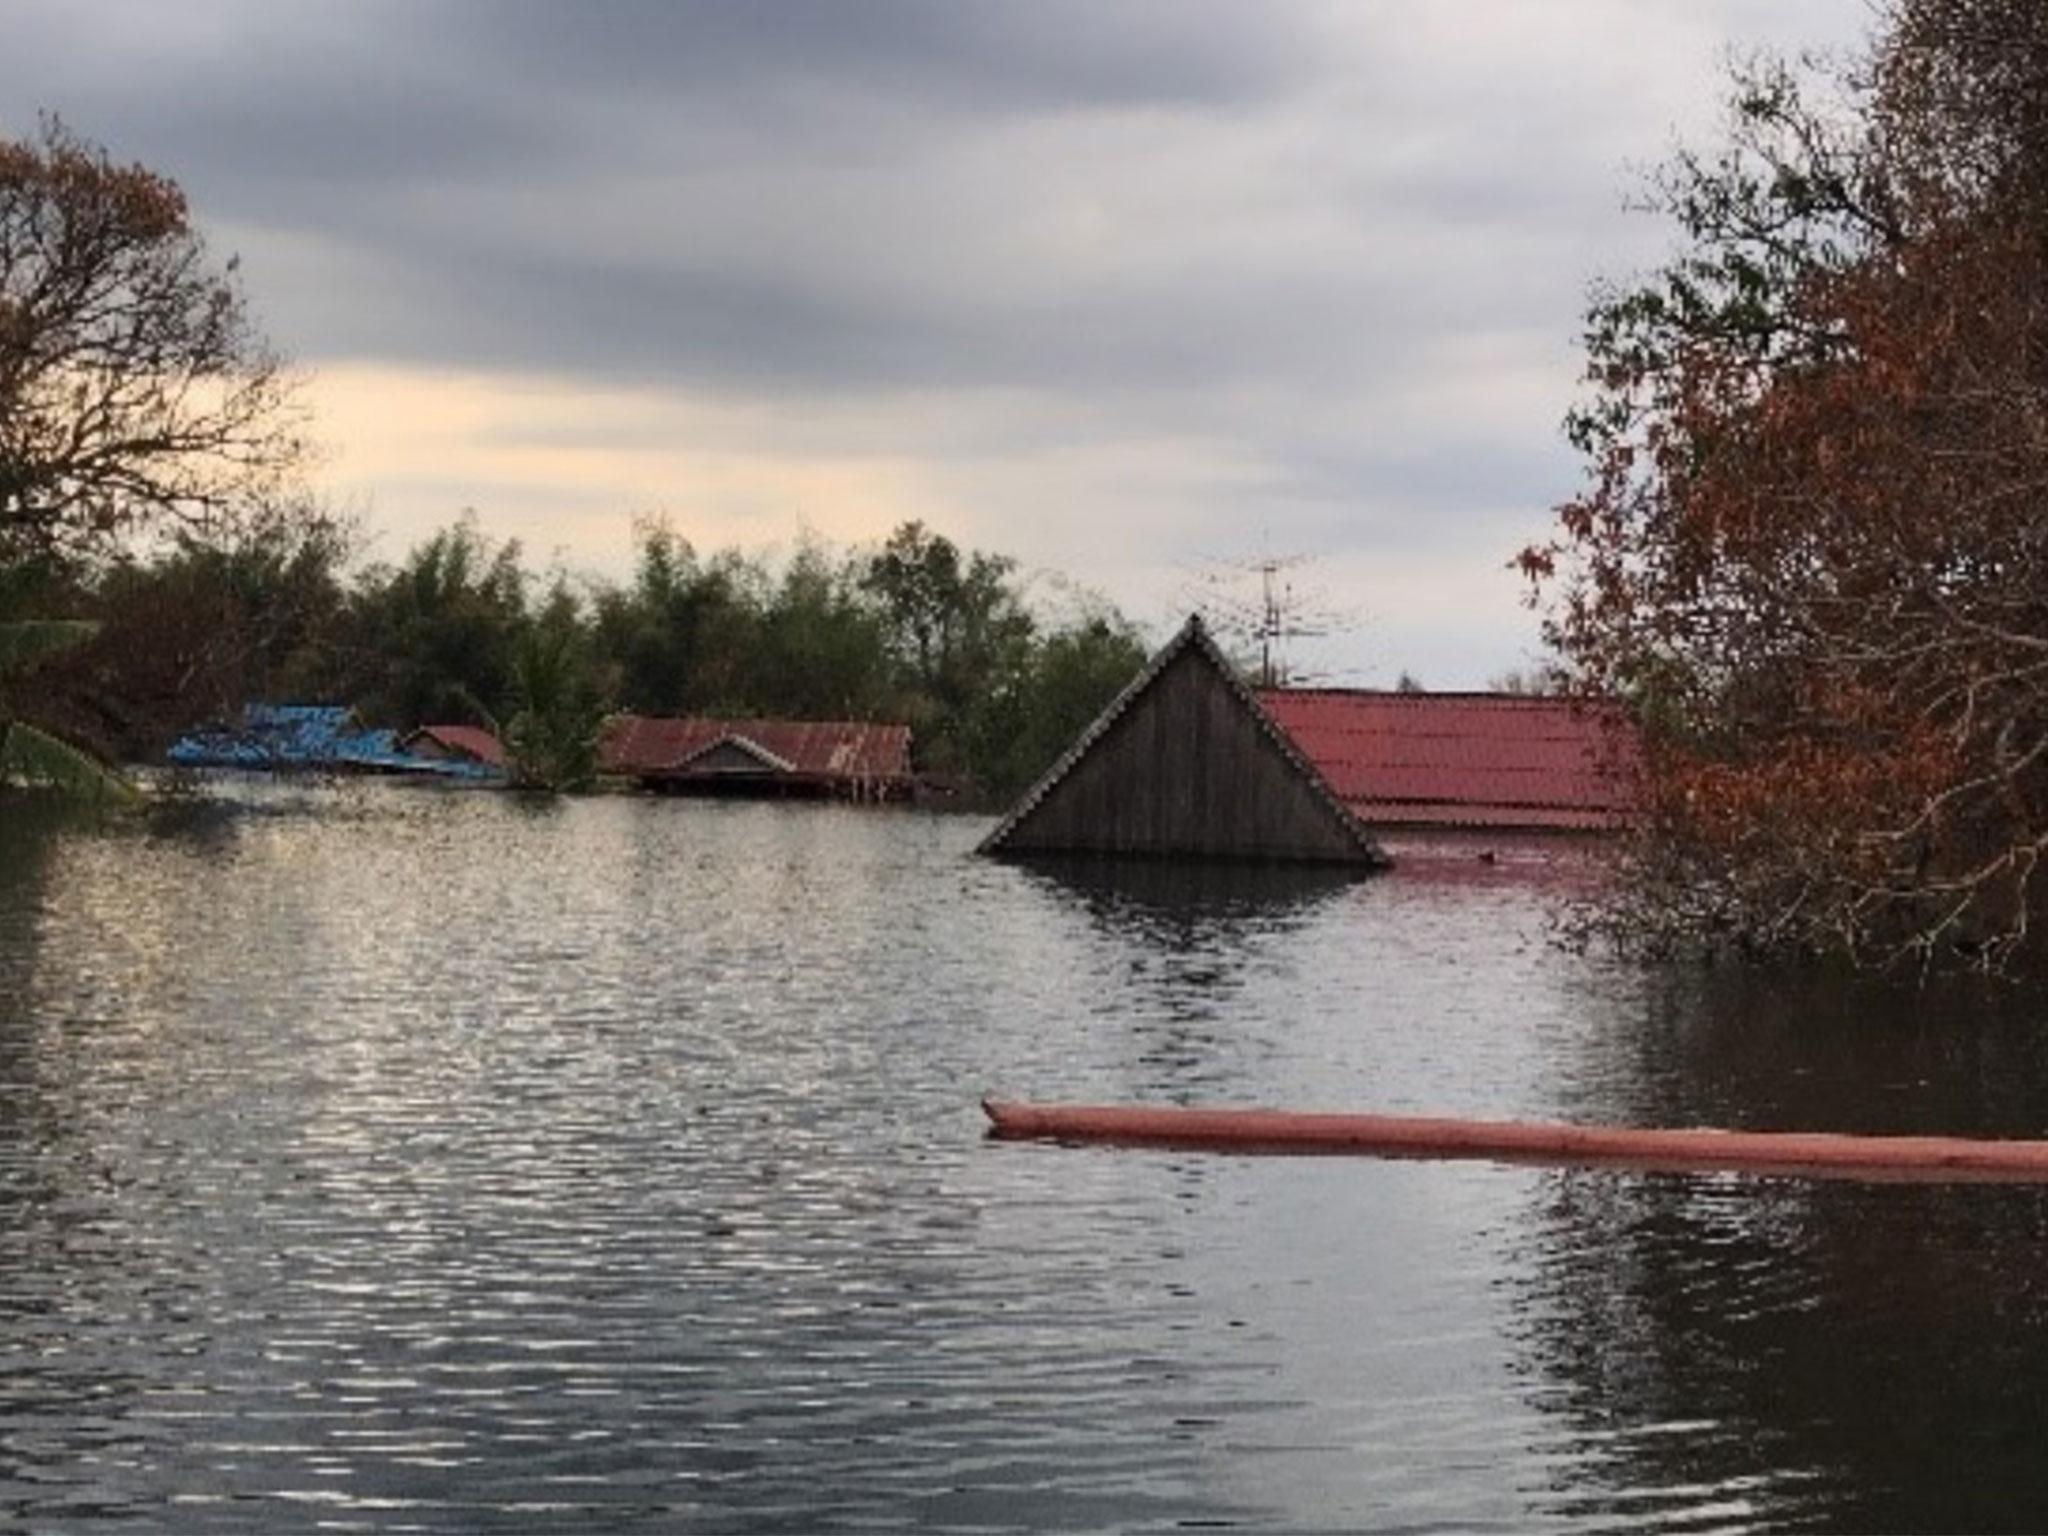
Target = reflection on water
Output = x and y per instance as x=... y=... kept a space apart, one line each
x=1187 y=935
x=392 y=1159
x=27 y=843
x=1784 y=1050
x=1795 y=1353
x=1171 y=896
x=1859 y=1357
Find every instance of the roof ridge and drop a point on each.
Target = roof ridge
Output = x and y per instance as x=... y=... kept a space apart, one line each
x=627 y=716
x=1457 y=695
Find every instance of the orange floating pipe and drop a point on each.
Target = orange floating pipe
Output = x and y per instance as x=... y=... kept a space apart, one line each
x=1814 y=1154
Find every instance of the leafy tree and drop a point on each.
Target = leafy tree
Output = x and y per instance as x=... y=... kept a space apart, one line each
x=1073 y=674
x=819 y=645
x=918 y=631
x=134 y=390
x=434 y=638
x=917 y=577
x=1813 y=550
x=962 y=640
x=210 y=623
x=681 y=640
x=551 y=739
x=33 y=756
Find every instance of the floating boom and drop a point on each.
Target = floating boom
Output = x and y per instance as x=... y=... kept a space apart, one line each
x=1813 y=1154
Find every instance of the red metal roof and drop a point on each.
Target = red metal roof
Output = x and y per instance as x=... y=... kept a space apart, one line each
x=644 y=746
x=464 y=741
x=1464 y=759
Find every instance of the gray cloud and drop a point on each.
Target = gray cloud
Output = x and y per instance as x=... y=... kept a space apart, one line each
x=1051 y=54
x=1284 y=240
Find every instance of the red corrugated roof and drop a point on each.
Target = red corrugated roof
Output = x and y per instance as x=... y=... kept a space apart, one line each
x=465 y=740
x=644 y=746
x=1464 y=759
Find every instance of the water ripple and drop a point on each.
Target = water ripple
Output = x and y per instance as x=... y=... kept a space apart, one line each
x=387 y=1160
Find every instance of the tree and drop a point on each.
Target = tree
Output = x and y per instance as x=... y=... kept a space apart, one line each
x=134 y=390
x=819 y=645
x=205 y=626
x=1073 y=674
x=433 y=638
x=962 y=640
x=551 y=740
x=919 y=631
x=1527 y=682
x=682 y=638
x=1812 y=555
x=36 y=757
x=916 y=576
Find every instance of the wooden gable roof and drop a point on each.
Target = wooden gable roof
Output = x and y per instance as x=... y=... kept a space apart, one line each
x=1186 y=763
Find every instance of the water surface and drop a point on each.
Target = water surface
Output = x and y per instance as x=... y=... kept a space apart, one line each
x=393 y=1159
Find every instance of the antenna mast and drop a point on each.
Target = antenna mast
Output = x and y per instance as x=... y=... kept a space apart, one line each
x=1266 y=620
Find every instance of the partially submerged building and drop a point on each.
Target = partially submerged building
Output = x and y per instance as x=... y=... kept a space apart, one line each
x=1190 y=762
x=455 y=744
x=312 y=738
x=270 y=737
x=1187 y=763
x=844 y=759
x=1481 y=761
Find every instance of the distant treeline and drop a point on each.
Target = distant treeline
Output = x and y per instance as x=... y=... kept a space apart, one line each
x=461 y=630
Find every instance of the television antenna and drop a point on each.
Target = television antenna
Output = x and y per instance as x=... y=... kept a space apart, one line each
x=1257 y=603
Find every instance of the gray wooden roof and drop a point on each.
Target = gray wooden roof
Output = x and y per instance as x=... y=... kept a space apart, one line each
x=1193 y=637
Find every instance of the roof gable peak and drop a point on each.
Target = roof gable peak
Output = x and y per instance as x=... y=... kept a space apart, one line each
x=737 y=741
x=1192 y=644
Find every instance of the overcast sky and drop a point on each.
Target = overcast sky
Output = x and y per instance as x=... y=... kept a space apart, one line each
x=1132 y=291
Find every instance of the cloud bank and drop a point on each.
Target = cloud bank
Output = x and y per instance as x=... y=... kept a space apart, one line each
x=1124 y=289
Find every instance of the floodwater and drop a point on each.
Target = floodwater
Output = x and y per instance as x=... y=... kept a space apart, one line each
x=377 y=1158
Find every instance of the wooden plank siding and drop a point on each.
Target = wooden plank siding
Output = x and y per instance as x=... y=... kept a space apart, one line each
x=1186 y=764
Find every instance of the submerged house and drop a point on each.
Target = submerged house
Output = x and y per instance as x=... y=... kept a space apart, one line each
x=1186 y=762
x=269 y=736
x=843 y=759
x=329 y=738
x=1189 y=761
x=1483 y=761
x=455 y=744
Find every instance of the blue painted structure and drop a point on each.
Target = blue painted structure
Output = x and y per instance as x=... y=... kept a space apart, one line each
x=273 y=738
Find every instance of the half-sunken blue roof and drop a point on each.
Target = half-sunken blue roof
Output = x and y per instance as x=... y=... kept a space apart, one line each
x=274 y=737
